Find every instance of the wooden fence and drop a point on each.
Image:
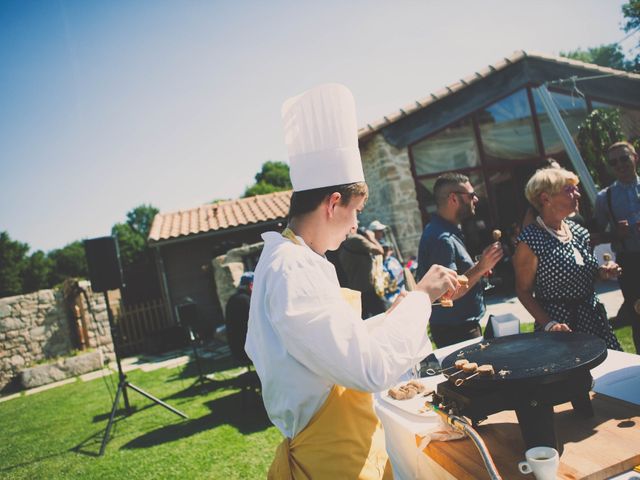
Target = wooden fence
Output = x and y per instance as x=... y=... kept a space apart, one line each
x=141 y=323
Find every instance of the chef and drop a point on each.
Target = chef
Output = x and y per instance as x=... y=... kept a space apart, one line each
x=318 y=362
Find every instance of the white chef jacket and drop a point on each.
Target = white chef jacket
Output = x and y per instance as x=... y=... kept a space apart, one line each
x=303 y=337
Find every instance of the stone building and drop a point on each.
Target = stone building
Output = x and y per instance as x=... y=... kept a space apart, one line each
x=187 y=242
x=490 y=126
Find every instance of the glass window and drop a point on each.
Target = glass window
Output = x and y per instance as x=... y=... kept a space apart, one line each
x=451 y=149
x=629 y=118
x=573 y=111
x=506 y=130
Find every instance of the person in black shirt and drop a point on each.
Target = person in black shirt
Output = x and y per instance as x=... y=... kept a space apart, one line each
x=237 y=317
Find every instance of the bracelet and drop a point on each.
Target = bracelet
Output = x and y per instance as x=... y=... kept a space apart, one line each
x=549 y=325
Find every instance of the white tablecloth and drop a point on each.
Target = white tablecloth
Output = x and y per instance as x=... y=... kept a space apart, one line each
x=618 y=376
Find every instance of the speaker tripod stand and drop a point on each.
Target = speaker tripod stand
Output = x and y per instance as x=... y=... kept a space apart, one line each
x=202 y=378
x=123 y=383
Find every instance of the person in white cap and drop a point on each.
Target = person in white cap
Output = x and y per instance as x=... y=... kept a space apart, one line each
x=378 y=228
x=316 y=359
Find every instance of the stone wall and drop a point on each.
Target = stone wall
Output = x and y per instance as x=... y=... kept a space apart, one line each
x=35 y=327
x=392 y=192
x=228 y=268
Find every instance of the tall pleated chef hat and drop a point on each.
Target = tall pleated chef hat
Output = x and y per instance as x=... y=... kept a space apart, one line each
x=321 y=134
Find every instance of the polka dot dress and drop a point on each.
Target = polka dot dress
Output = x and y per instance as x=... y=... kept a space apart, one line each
x=564 y=284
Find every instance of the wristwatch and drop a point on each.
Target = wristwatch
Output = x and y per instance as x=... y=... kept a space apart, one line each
x=549 y=325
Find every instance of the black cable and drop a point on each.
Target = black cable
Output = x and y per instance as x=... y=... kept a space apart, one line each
x=635 y=30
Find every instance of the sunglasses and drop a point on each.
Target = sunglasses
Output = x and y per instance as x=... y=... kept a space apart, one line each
x=570 y=189
x=473 y=195
x=627 y=157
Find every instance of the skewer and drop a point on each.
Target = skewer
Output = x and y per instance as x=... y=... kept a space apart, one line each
x=457 y=364
x=445 y=300
x=468 y=367
x=483 y=370
x=461 y=365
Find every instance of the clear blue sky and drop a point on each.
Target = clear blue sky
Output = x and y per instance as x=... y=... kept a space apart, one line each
x=105 y=105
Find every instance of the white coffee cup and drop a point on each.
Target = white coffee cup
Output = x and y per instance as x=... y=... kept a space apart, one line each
x=543 y=462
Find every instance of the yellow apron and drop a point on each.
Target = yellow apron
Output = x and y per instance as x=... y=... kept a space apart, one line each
x=344 y=438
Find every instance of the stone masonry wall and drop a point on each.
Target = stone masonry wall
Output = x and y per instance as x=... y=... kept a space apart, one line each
x=35 y=327
x=392 y=193
x=228 y=268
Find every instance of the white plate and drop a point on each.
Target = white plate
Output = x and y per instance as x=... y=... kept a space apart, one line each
x=415 y=405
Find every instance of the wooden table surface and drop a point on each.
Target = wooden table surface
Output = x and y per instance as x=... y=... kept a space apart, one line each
x=594 y=448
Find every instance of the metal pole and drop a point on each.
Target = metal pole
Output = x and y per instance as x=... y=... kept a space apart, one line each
x=394 y=243
x=569 y=145
x=115 y=338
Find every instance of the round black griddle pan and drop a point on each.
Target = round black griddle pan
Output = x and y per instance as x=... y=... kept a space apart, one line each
x=534 y=358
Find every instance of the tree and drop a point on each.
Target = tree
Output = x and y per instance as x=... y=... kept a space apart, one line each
x=141 y=218
x=261 y=188
x=12 y=262
x=595 y=134
x=631 y=13
x=610 y=55
x=132 y=235
x=130 y=243
x=68 y=261
x=273 y=177
x=37 y=272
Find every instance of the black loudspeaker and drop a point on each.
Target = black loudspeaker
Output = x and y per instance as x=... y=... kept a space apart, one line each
x=103 y=260
x=188 y=314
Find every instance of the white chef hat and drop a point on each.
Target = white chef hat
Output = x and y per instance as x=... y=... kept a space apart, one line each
x=321 y=134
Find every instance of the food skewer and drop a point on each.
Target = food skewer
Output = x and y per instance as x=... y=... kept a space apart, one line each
x=446 y=300
x=468 y=367
x=482 y=370
x=458 y=364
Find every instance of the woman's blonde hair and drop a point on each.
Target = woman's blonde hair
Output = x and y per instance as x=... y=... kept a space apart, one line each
x=550 y=181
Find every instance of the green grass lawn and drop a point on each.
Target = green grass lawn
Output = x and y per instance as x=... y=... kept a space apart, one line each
x=57 y=433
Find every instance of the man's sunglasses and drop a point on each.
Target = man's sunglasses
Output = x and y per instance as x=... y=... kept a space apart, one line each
x=627 y=157
x=473 y=195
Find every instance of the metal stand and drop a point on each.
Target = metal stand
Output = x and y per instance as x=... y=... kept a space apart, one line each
x=123 y=384
x=202 y=378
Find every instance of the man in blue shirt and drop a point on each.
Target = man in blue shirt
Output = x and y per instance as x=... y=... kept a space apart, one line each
x=442 y=243
x=618 y=212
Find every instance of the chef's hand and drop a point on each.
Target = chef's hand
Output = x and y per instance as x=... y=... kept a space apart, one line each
x=437 y=281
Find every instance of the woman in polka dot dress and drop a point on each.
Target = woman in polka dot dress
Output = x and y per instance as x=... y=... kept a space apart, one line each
x=554 y=263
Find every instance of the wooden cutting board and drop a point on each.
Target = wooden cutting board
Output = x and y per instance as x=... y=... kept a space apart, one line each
x=594 y=448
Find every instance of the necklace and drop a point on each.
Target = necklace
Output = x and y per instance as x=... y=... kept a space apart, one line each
x=564 y=236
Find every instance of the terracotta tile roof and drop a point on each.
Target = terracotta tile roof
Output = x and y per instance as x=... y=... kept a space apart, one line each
x=477 y=76
x=220 y=216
